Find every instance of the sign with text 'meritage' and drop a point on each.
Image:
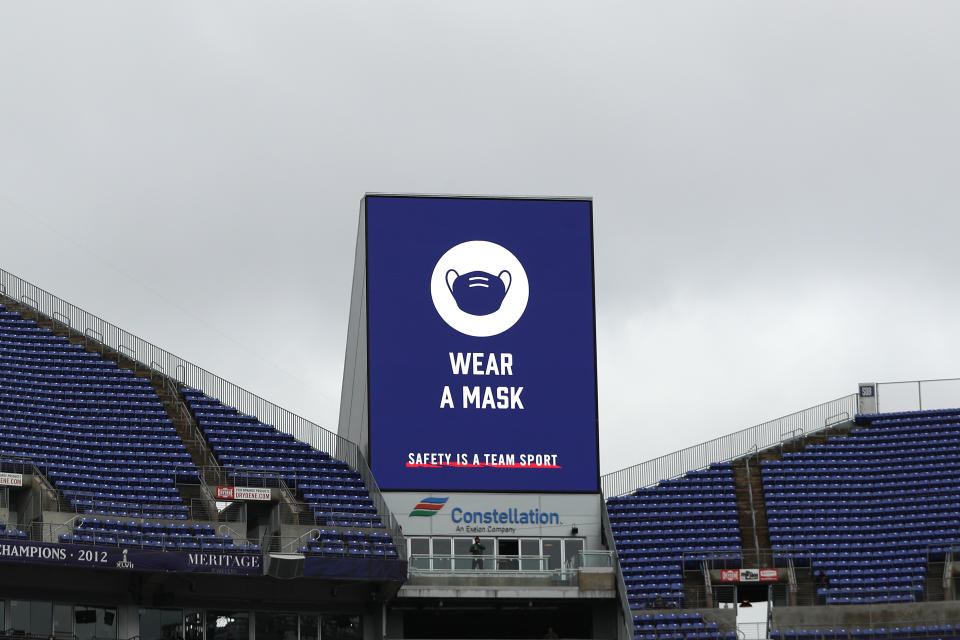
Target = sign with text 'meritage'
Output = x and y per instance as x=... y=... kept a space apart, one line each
x=481 y=344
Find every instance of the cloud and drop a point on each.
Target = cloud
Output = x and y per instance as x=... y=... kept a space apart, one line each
x=774 y=187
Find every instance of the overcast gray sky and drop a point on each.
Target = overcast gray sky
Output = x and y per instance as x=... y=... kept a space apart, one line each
x=775 y=185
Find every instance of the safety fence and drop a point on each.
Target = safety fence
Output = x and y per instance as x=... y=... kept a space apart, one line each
x=77 y=530
x=918 y=395
x=729 y=447
x=894 y=629
x=625 y=614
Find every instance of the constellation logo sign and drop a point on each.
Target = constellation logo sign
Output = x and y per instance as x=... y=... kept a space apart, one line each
x=499 y=514
x=429 y=507
x=479 y=288
x=481 y=362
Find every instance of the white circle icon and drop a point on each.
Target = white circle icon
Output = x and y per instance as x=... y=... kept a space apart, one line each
x=479 y=288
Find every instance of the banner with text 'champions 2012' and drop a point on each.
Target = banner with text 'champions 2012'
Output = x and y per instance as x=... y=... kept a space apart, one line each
x=481 y=344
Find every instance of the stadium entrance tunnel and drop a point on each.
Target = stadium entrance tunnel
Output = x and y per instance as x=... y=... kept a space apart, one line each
x=753 y=592
x=463 y=618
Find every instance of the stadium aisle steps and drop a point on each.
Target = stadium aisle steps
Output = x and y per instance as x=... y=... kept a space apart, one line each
x=751 y=503
x=184 y=423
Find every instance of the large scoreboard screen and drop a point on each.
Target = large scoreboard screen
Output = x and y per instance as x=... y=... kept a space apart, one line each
x=481 y=344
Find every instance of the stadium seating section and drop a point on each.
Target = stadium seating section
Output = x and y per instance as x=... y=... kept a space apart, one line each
x=659 y=529
x=941 y=631
x=350 y=543
x=678 y=626
x=101 y=436
x=10 y=533
x=97 y=432
x=870 y=509
x=255 y=452
x=152 y=535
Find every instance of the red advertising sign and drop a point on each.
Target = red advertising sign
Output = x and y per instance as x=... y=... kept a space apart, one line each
x=748 y=575
x=243 y=493
x=251 y=493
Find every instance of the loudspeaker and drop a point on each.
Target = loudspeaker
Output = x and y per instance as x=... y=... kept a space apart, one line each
x=284 y=565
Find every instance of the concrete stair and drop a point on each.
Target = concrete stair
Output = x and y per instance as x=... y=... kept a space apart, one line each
x=752 y=509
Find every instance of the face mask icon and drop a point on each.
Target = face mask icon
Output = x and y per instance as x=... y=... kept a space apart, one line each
x=479 y=293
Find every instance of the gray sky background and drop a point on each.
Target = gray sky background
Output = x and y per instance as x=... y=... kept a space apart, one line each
x=776 y=185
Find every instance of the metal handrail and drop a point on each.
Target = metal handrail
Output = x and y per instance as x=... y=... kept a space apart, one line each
x=791 y=575
x=753 y=510
x=291 y=544
x=198 y=510
x=835 y=628
x=707 y=582
x=587 y=558
x=490 y=562
x=947 y=572
x=210 y=384
x=304 y=515
x=294 y=543
x=233 y=533
x=65 y=527
x=51 y=532
x=725 y=448
x=843 y=416
x=622 y=597
x=763 y=559
x=195 y=436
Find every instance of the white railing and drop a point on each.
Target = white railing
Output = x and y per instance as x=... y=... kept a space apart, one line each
x=918 y=395
x=479 y=564
x=729 y=447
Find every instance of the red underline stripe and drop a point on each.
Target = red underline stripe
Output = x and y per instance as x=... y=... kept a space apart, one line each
x=484 y=464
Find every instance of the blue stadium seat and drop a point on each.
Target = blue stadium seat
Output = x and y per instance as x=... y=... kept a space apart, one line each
x=256 y=453
x=656 y=529
x=869 y=509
